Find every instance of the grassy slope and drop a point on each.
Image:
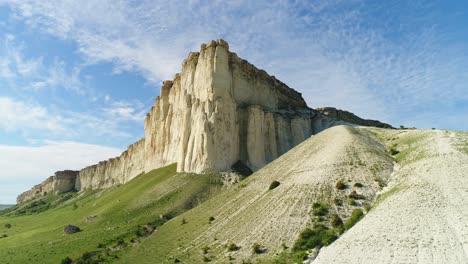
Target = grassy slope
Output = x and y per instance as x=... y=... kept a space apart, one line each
x=250 y=213
x=39 y=238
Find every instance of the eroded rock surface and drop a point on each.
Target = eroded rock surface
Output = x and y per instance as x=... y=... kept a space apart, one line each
x=217 y=111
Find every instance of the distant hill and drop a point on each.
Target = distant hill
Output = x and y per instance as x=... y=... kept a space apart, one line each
x=350 y=117
x=4 y=206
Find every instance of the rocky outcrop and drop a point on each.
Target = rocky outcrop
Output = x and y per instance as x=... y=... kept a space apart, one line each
x=350 y=117
x=61 y=182
x=218 y=111
x=221 y=109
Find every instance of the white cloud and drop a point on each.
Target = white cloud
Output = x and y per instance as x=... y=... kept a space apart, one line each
x=30 y=118
x=334 y=52
x=126 y=111
x=32 y=73
x=23 y=167
x=19 y=115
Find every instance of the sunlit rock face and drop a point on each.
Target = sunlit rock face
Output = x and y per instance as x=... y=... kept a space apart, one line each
x=218 y=110
x=221 y=109
x=61 y=182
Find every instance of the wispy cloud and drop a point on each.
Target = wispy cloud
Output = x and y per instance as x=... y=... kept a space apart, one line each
x=22 y=116
x=31 y=73
x=126 y=111
x=18 y=115
x=384 y=60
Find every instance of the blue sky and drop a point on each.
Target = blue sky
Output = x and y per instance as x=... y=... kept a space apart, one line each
x=77 y=77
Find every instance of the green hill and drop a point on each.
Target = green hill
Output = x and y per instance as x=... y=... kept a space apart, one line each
x=308 y=199
x=110 y=219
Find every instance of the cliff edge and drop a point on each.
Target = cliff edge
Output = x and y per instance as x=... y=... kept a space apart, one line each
x=218 y=111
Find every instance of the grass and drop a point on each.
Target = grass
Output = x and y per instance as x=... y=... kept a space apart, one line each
x=150 y=199
x=356 y=215
x=319 y=236
x=320 y=209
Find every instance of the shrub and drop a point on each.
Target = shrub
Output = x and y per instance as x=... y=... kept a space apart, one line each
x=232 y=247
x=67 y=260
x=205 y=249
x=356 y=215
x=320 y=209
x=340 y=184
x=358 y=184
x=273 y=185
x=257 y=249
x=338 y=201
x=394 y=151
x=355 y=195
x=380 y=181
x=336 y=220
x=211 y=219
x=352 y=202
x=366 y=206
x=183 y=221
x=8 y=226
x=312 y=238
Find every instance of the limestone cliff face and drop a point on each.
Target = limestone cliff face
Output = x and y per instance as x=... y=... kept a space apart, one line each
x=217 y=111
x=61 y=182
x=113 y=171
x=221 y=109
x=350 y=117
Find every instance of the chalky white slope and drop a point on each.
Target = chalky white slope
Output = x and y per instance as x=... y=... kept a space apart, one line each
x=422 y=216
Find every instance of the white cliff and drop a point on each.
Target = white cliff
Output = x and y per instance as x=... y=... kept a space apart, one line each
x=219 y=110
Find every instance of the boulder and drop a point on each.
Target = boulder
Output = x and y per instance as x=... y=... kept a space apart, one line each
x=71 y=229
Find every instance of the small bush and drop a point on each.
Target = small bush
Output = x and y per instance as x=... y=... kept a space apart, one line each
x=67 y=260
x=211 y=219
x=257 y=249
x=336 y=221
x=394 y=151
x=338 y=201
x=183 y=221
x=8 y=226
x=380 y=181
x=352 y=202
x=205 y=249
x=312 y=238
x=320 y=209
x=232 y=247
x=356 y=196
x=358 y=184
x=340 y=184
x=356 y=215
x=366 y=206
x=273 y=185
